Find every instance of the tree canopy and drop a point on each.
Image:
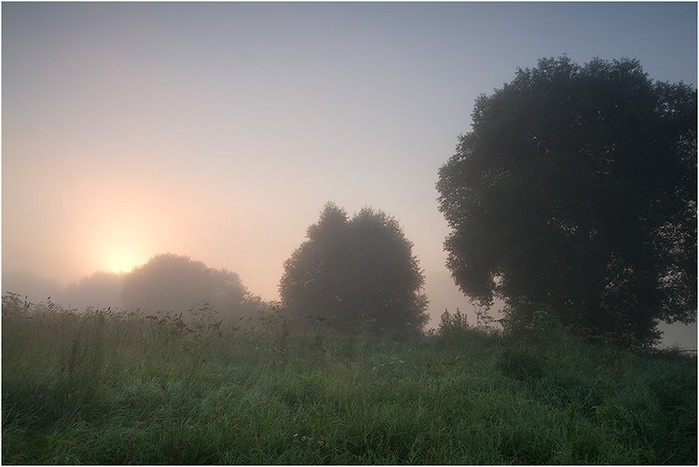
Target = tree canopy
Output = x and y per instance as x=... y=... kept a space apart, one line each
x=169 y=282
x=100 y=289
x=354 y=271
x=576 y=190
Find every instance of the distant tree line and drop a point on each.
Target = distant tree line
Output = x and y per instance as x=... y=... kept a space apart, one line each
x=166 y=283
x=176 y=283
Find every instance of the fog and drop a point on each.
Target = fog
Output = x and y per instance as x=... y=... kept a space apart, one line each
x=218 y=131
x=104 y=289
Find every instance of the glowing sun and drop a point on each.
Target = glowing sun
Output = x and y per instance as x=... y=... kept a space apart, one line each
x=121 y=260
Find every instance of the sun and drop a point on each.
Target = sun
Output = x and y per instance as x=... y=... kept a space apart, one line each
x=121 y=233
x=121 y=260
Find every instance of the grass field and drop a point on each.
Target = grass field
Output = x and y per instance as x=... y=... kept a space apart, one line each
x=105 y=387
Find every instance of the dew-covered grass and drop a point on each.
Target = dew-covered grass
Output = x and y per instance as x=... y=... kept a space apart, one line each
x=108 y=387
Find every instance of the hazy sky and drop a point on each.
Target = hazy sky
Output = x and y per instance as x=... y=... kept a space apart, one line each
x=219 y=130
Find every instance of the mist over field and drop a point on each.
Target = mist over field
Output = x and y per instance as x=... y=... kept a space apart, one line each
x=219 y=131
x=349 y=233
x=104 y=289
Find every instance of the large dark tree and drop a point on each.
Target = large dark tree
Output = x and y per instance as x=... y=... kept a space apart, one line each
x=576 y=191
x=354 y=271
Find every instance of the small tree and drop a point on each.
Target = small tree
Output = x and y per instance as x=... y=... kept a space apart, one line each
x=576 y=191
x=355 y=271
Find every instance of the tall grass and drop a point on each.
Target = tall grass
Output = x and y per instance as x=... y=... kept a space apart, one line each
x=108 y=387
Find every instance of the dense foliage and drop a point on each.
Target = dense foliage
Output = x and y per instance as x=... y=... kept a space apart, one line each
x=98 y=289
x=575 y=192
x=353 y=272
x=105 y=387
x=175 y=283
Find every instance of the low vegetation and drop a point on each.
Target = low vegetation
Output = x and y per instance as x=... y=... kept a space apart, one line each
x=112 y=387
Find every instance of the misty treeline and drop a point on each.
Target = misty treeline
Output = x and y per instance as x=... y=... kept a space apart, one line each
x=167 y=283
x=351 y=274
x=572 y=198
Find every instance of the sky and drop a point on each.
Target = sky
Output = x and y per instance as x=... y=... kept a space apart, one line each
x=219 y=130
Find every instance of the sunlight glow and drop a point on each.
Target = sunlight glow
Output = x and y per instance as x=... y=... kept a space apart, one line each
x=121 y=260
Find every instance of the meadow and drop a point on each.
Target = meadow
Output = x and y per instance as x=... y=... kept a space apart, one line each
x=115 y=387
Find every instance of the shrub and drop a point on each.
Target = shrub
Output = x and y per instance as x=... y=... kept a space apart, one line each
x=453 y=327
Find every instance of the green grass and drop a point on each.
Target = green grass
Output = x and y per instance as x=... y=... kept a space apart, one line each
x=102 y=387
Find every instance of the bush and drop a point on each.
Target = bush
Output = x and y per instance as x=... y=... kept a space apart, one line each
x=453 y=328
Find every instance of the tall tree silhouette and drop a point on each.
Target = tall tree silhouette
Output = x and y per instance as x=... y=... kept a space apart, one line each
x=576 y=190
